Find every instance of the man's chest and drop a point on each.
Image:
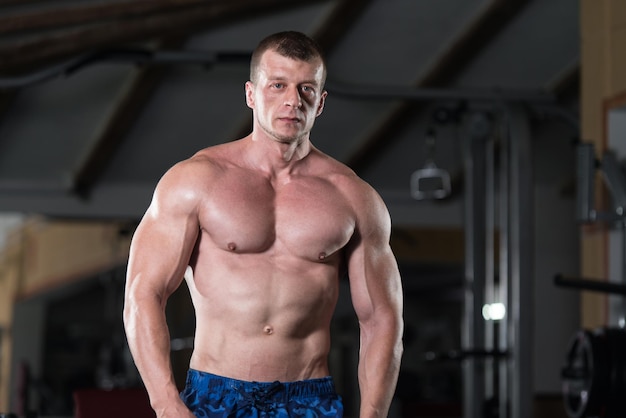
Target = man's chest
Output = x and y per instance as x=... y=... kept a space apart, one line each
x=306 y=216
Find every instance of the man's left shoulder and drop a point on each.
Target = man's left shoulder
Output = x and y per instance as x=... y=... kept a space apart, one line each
x=344 y=177
x=341 y=175
x=353 y=187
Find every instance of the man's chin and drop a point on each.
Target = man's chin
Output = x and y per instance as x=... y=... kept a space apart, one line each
x=288 y=139
x=286 y=136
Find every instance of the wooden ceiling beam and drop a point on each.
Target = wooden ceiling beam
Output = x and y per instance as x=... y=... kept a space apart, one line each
x=343 y=16
x=128 y=109
x=477 y=35
x=11 y=3
x=80 y=14
x=24 y=52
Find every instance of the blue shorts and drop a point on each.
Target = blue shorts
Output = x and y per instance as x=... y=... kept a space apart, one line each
x=211 y=396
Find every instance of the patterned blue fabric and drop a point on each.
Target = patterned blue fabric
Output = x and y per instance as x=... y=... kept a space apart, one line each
x=211 y=396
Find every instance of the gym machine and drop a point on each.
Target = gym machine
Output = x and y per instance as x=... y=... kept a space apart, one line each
x=594 y=375
x=495 y=353
x=430 y=182
x=497 y=370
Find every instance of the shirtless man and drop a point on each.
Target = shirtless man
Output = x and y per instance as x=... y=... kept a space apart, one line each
x=261 y=229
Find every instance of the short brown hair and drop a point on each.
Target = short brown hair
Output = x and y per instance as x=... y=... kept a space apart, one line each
x=290 y=44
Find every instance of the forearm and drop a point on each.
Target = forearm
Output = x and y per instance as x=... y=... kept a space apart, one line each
x=379 y=365
x=149 y=342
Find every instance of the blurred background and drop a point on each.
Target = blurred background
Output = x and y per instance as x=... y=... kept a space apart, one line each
x=483 y=124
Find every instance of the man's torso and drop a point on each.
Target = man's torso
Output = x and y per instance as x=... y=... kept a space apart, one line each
x=266 y=269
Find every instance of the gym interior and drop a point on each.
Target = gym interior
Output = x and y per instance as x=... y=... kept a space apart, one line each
x=493 y=130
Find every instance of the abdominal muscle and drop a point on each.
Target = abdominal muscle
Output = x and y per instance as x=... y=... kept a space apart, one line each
x=273 y=326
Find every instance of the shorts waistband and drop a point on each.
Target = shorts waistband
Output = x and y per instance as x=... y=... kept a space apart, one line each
x=276 y=391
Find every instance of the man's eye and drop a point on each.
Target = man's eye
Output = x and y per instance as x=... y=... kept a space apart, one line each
x=277 y=85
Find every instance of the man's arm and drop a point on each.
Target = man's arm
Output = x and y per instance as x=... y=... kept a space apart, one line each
x=376 y=291
x=159 y=254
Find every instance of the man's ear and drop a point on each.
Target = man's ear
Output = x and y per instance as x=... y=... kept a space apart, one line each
x=249 y=94
x=320 y=107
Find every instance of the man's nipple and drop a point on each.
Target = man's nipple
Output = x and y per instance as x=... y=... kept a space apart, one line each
x=231 y=246
x=322 y=256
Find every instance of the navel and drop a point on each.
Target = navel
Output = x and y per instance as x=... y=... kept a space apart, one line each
x=268 y=330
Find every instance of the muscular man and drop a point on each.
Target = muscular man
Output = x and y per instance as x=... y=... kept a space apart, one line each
x=261 y=229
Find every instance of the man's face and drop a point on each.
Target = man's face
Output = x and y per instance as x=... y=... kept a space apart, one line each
x=286 y=96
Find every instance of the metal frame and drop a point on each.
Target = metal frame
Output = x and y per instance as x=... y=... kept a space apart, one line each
x=504 y=207
x=473 y=329
x=520 y=312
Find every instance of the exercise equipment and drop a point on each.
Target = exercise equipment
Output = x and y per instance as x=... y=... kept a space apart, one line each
x=430 y=182
x=595 y=374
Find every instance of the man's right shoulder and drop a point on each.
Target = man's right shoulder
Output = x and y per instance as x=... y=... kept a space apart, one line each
x=205 y=166
x=216 y=156
x=203 y=160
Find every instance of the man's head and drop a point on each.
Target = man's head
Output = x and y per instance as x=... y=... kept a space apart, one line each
x=290 y=44
x=286 y=87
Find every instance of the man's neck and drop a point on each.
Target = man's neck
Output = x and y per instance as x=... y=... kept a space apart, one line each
x=273 y=156
x=296 y=150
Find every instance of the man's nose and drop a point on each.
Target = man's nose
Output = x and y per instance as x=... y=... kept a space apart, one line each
x=292 y=98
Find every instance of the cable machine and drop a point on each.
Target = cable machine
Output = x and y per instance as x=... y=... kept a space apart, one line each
x=498 y=266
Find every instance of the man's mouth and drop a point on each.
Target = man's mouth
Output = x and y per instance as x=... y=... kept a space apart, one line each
x=290 y=119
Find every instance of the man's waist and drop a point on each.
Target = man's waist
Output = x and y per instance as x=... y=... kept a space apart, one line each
x=272 y=390
x=252 y=354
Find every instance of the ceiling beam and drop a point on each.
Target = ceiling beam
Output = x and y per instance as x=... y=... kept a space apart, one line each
x=4 y=3
x=476 y=36
x=24 y=52
x=80 y=14
x=129 y=107
x=327 y=35
x=342 y=17
x=112 y=135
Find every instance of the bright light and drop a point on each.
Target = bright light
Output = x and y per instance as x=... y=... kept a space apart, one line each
x=494 y=311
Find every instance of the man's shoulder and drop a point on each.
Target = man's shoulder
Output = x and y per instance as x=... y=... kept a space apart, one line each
x=328 y=166
x=369 y=208
x=209 y=159
x=216 y=154
x=346 y=180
